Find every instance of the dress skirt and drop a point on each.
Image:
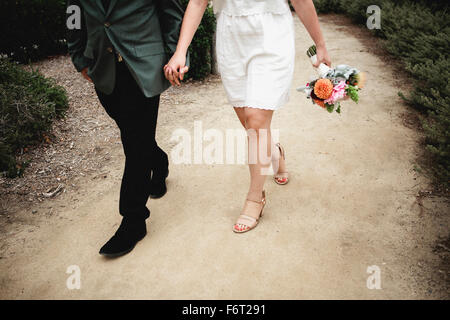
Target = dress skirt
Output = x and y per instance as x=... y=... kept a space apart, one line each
x=255 y=56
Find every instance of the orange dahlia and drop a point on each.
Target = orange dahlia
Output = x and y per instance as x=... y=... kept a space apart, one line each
x=323 y=88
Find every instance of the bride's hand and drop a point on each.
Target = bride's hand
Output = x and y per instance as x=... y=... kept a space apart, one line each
x=176 y=68
x=322 y=56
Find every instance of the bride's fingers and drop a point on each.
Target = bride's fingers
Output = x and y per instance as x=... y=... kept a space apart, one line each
x=326 y=60
x=173 y=75
x=320 y=60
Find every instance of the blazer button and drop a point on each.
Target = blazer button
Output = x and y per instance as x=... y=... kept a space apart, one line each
x=109 y=49
x=107 y=24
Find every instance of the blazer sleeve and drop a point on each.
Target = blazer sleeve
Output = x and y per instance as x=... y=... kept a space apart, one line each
x=76 y=40
x=171 y=15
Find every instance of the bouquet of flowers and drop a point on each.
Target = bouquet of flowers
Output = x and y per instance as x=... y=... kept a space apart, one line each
x=333 y=85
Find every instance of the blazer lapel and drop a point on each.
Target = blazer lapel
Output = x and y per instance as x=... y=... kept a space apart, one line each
x=111 y=7
x=100 y=6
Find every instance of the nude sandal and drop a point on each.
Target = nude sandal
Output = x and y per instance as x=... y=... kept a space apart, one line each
x=246 y=223
x=281 y=178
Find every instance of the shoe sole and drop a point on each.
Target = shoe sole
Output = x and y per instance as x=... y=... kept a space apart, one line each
x=116 y=255
x=122 y=253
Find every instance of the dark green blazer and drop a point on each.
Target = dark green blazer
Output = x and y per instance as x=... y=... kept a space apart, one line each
x=139 y=30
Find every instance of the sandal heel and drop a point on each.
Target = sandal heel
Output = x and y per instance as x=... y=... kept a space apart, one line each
x=281 y=178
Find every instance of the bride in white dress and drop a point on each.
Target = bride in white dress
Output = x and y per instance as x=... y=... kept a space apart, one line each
x=255 y=55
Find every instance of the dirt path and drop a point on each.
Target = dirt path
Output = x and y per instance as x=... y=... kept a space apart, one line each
x=351 y=204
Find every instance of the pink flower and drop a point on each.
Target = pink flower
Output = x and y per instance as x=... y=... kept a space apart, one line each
x=338 y=93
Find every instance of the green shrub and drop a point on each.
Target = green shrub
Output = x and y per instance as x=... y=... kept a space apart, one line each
x=418 y=33
x=29 y=103
x=326 y=6
x=202 y=45
x=32 y=29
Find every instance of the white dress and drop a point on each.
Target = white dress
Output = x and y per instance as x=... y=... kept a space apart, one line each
x=255 y=51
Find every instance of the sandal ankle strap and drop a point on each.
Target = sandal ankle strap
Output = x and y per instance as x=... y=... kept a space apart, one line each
x=263 y=199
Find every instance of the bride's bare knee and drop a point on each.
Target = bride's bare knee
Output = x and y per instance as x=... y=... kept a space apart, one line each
x=257 y=118
x=253 y=123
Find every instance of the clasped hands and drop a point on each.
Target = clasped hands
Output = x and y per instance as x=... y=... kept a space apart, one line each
x=176 y=68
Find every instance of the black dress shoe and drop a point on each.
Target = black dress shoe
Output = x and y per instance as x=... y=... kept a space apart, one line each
x=158 y=186
x=130 y=232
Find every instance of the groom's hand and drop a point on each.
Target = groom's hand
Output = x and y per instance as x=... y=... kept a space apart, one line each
x=176 y=68
x=85 y=75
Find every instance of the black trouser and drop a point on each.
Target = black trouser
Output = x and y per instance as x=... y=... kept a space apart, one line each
x=136 y=116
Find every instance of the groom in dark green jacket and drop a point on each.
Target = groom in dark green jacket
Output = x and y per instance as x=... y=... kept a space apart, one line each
x=121 y=47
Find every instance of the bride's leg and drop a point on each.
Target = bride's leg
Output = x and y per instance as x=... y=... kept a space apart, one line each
x=278 y=162
x=260 y=149
x=241 y=115
x=257 y=122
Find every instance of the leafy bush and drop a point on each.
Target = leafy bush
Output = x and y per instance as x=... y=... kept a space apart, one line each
x=418 y=33
x=326 y=6
x=202 y=45
x=32 y=29
x=29 y=103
